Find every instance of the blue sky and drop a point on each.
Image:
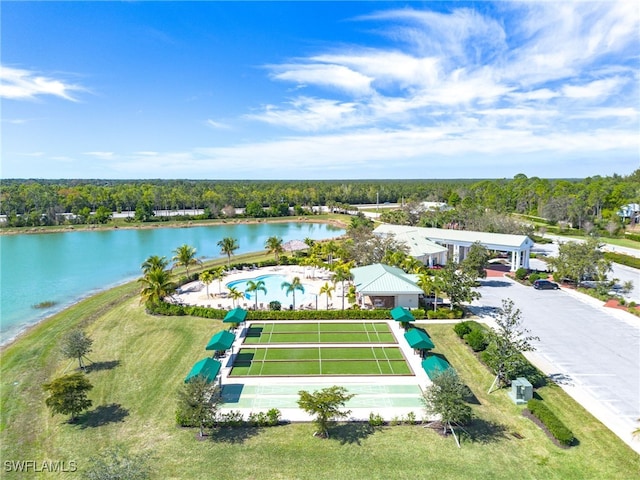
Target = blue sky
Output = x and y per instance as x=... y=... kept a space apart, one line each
x=319 y=90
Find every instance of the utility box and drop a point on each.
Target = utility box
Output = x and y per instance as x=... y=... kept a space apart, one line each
x=521 y=391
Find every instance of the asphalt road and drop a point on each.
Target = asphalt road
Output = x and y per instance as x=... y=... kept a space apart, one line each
x=584 y=346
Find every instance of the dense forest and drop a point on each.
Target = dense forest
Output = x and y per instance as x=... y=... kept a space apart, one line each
x=36 y=202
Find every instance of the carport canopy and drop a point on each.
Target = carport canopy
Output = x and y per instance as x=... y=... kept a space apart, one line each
x=418 y=339
x=237 y=315
x=434 y=366
x=207 y=368
x=221 y=341
x=401 y=314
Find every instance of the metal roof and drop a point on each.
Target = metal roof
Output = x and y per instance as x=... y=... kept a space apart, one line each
x=493 y=241
x=383 y=279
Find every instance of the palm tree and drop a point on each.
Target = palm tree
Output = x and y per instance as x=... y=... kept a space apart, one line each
x=235 y=294
x=274 y=245
x=156 y=285
x=330 y=248
x=206 y=278
x=430 y=284
x=291 y=287
x=185 y=256
x=153 y=262
x=218 y=274
x=341 y=274
x=256 y=287
x=327 y=289
x=228 y=245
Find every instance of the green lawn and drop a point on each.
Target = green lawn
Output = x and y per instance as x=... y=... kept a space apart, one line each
x=143 y=361
x=320 y=361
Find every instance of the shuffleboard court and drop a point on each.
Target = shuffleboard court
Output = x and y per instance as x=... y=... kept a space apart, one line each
x=370 y=396
x=319 y=361
x=321 y=332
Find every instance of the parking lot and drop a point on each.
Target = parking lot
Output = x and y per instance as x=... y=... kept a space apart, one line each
x=591 y=350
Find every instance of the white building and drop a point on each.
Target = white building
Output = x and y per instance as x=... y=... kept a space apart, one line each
x=457 y=243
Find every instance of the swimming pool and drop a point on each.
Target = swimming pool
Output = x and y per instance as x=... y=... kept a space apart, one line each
x=272 y=283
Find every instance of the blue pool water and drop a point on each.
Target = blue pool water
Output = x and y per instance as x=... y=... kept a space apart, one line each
x=273 y=285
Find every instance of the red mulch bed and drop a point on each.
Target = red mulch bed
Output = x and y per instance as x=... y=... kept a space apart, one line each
x=613 y=303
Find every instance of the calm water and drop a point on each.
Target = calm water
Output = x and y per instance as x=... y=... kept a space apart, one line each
x=273 y=285
x=65 y=267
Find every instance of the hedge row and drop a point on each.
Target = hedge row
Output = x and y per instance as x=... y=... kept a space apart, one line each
x=476 y=336
x=234 y=419
x=632 y=236
x=444 y=313
x=623 y=259
x=549 y=419
x=216 y=313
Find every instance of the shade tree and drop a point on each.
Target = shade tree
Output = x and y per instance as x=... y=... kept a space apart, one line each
x=446 y=397
x=68 y=395
x=326 y=405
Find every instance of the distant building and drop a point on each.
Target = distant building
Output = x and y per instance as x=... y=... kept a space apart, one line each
x=630 y=212
x=456 y=243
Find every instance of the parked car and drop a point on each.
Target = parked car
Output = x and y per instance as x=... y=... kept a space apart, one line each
x=545 y=285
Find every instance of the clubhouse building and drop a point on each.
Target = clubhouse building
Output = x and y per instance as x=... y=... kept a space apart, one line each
x=433 y=246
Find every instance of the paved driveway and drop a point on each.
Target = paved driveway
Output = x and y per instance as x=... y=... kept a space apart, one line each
x=594 y=352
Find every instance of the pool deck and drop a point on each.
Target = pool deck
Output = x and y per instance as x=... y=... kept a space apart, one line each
x=195 y=293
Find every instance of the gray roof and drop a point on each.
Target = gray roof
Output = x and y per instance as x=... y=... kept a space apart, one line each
x=383 y=279
x=493 y=241
x=418 y=244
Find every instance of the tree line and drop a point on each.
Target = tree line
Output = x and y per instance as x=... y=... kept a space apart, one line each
x=42 y=202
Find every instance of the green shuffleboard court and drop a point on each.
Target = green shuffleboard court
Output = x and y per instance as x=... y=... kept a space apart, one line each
x=319 y=361
x=320 y=332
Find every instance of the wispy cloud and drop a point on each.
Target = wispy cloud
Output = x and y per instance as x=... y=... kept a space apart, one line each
x=217 y=125
x=469 y=82
x=102 y=155
x=19 y=84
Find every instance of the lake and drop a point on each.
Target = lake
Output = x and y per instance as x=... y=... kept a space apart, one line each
x=66 y=267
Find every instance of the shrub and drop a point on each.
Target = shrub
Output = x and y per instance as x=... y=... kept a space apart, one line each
x=521 y=273
x=462 y=329
x=234 y=418
x=410 y=418
x=271 y=418
x=375 y=420
x=275 y=305
x=476 y=339
x=537 y=276
x=549 y=419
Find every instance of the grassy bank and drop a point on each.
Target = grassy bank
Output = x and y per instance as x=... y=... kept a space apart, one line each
x=338 y=220
x=142 y=361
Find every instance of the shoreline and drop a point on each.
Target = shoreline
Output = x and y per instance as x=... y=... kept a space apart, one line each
x=25 y=329
x=170 y=224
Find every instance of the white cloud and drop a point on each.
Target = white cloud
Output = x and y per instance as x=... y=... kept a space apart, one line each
x=216 y=125
x=338 y=77
x=600 y=89
x=19 y=84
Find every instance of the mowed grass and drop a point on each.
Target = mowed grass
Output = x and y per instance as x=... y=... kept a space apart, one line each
x=144 y=360
x=321 y=332
x=320 y=361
